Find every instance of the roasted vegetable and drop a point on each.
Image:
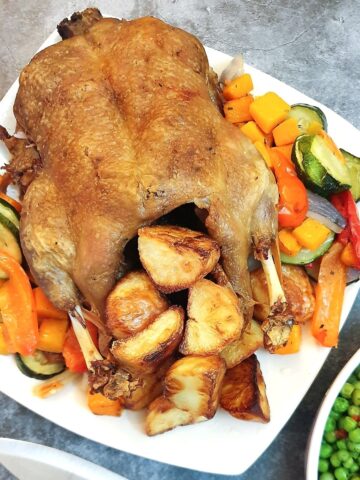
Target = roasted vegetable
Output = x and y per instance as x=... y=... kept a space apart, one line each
x=239 y=87
x=298 y=292
x=251 y=339
x=269 y=110
x=38 y=366
x=252 y=131
x=243 y=393
x=214 y=319
x=237 y=111
x=44 y=308
x=143 y=352
x=74 y=357
x=329 y=295
x=311 y=234
x=293 y=343
x=175 y=257
x=286 y=132
x=320 y=165
x=309 y=119
x=191 y=394
x=353 y=166
x=133 y=304
x=52 y=333
x=288 y=243
x=305 y=256
x=101 y=405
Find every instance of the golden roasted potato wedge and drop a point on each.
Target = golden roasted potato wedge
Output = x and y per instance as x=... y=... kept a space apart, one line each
x=298 y=292
x=219 y=277
x=243 y=393
x=251 y=339
x=193 y=384
x=164 y=416
x=215 y=319
x=175 y=257
x=143 y=352
x=133 y=304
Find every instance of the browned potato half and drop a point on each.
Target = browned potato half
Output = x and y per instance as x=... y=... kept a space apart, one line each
x=133 y=303
x=251 y=339
x=175 y=257
x=215 y=319
x=243 y=393
x=297 y=288
x=143 y=352
x=193 y=384
x=163 y=416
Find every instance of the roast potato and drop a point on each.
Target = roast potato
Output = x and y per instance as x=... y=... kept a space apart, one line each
x=298 y=292
x=133 y=304
x=143 y=352
x=193 y=384
x=175 y=257
x=191 y=394
x=251 y=339
x=163 y=416
x=243 y=393
x=215 y=319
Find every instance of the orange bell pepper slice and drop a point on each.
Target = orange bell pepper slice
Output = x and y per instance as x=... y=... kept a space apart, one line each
x=74 y=359
x=11 y=201
x=17 y=307
x=293 y=201
x=329 y=296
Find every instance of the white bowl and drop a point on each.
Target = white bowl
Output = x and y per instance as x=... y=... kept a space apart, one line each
x=313 y=448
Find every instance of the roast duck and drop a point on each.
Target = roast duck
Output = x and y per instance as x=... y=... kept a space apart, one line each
x=124 y=126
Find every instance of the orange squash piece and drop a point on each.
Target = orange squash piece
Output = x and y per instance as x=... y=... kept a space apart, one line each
x=264 y=152
x=348 y=256
x=288 y=243
x=311 y=233
x=52 y=333
x=286 y=150
x=101 y=405
x=44 y=308
x=293 y=343
x=237 y=111
x=286 y=132
x=268 y=111
x=252 y=131
x=239 y=87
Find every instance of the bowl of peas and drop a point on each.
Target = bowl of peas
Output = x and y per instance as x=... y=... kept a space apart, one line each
x=334 y=446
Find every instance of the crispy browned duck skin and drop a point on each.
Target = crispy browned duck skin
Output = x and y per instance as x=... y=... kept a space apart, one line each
x=79 y=23
x=127 y=126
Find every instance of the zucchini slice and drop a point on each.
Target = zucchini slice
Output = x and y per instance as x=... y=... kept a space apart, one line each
x=306 y=256
x=307 y=116
x=9 y=212
x=318 y=167
x=36 y=366
x=9 y=241
x=353 y=165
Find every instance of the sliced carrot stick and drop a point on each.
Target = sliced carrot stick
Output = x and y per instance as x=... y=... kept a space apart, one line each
x=329 y=295
x=17 y=308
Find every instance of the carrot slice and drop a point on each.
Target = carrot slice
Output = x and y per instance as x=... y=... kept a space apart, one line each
x=17 y=308
x=11 y=201
x=329 y=295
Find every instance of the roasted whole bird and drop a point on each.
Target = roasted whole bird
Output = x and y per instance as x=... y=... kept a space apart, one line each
x=125 y=119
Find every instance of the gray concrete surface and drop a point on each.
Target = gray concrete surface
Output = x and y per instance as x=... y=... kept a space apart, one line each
x=313 y=46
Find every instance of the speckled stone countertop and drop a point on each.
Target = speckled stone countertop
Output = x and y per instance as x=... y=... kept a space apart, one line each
x=313 y=46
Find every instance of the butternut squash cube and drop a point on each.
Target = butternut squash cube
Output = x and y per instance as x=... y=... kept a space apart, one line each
x=311 y=234
x=239 y=87
x=264 y=152
x=286 y=132
x=252 y=131
x=269 y=110
x=288 y=243
x=237 y=111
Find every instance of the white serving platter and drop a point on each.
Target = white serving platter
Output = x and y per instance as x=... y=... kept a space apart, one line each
x=223 y=445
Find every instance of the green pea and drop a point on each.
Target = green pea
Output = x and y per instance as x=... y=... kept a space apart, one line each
x=341 y=444
x=341 y=404
x=349 y=463
x=354 y=468
x=326 y=450
x=355 y=477
x=354 y=455
x=323 y=465
x=341 y=473
x=348 y=423
x=353 y=447
x=352 y=379
x=355 y=397
x=330 y=425
x=335 y=460
x=327 y=476
x=343 y=455
x=330 y=437
x=347 y=390
x=353 y=411
x=357 y=384
x=334 y=415
x=354 y=435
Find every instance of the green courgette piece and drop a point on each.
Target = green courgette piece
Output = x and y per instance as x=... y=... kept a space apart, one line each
x=9 y=212
x=353 y=165
x=306 y=256
x=36 y=366
x=9 y=241
x=306 y=116
x=318 y=167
